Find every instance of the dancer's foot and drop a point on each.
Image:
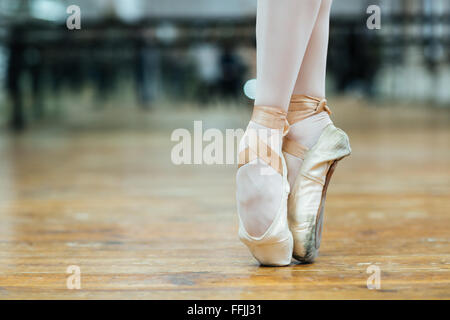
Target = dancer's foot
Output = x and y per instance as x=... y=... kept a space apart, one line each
x=262 y=188
x=318 y=160
x=308 y=117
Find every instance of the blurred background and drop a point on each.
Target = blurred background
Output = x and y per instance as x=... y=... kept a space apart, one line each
x=86 y=176
x=132 y=57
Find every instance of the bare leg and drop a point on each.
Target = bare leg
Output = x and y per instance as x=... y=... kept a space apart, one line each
x=283 y=31
x=311 y=81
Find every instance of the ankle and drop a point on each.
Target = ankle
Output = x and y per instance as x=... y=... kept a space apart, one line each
x=272 y=137
x=308 y=116
x=308 y=131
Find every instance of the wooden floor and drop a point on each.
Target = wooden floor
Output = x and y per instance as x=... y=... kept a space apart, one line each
x=111 y=202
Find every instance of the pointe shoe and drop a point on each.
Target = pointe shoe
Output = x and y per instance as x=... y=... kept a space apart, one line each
x=274 y=247
x=306 y=202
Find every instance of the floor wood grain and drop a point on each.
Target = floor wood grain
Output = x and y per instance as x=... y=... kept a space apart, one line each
x=139 y=227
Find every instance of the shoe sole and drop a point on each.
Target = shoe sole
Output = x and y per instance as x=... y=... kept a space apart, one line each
x=313 y=244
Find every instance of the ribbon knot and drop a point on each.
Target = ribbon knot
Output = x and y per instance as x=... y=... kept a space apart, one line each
x=322 y=105
x=286 y=127
x=302 y=107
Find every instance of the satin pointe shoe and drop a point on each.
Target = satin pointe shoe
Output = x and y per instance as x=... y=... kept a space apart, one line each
x=306 y=201
x=274 y=247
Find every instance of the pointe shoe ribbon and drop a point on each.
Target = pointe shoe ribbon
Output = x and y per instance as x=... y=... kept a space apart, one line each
x=303 y=106
x=300 y=108
x=273 y=118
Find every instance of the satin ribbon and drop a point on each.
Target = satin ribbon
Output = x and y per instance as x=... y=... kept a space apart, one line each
x=271 y=117
x=303 y=106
